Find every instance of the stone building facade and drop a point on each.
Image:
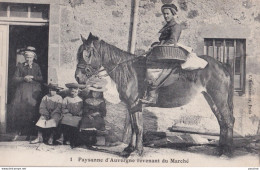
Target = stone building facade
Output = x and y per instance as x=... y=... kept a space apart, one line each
x=110 y=20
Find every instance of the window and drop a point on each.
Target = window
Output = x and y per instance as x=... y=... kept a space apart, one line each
x=3 y=9
x=24 y=12
x=39 y=11
x=18 y=10
x=229 y=51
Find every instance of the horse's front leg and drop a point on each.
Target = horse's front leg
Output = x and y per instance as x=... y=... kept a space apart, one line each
x=138 y=127
x=129 y=121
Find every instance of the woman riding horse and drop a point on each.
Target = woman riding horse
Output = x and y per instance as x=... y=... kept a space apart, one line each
x=170 y=35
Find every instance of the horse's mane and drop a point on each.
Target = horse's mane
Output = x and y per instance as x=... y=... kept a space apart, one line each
x=79 y=53
x=119 y=62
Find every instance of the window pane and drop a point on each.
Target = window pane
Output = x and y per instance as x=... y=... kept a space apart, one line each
x=237 y=65
x=40 y=11
x=208 y=42
x=237 y=82
x=19 y=10
x=219 y=43
x=230 y=43
x=3 y=9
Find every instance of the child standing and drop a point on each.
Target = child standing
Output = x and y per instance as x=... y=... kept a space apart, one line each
x=50 y=110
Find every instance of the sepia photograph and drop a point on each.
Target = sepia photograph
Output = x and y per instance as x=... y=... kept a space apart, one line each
x=130 y=83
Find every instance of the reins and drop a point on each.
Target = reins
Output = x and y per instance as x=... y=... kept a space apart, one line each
x=118 y=64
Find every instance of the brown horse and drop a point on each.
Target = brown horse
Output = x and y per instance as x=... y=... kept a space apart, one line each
x=128 y=72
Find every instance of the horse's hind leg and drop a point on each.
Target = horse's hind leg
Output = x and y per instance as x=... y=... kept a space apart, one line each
x=136 y=142
x=137 y=135
x=221 y=108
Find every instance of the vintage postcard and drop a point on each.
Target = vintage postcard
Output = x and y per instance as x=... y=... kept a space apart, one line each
x=130 y=83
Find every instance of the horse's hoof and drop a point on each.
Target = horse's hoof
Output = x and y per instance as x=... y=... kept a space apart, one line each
x=137 y=153
x=125 y=154
x=225 y=152
x=129 y=149
x=224 y=157
x=228 y=154
x=140 y=153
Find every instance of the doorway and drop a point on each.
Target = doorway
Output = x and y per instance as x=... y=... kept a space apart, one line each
x=20 y=37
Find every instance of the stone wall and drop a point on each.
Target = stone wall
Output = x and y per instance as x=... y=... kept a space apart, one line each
x=110 y=20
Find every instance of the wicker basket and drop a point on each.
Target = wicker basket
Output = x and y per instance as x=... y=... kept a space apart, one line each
x=168 y=53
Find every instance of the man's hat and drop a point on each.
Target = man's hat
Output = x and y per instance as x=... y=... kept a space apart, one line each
x=75 y=86
x=53 y=86
x=172 y=7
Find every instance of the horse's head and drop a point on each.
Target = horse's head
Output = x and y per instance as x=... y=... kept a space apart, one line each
x=89 y=59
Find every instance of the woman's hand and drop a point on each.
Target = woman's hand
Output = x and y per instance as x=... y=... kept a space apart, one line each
x=161 y=42
x=155 y=44
x=90 y=117
x=95 y=114
x=28 y=78
x=47 y=117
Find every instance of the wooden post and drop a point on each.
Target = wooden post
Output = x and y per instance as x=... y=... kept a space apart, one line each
x=134 y=21
x=131 y=49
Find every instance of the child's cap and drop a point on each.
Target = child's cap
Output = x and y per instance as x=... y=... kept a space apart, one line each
x=75 y=86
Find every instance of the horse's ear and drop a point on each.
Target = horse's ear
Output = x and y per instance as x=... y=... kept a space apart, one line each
x=92 y=37
x=83 y=39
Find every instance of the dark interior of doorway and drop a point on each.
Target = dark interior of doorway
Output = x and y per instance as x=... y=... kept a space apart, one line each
x=20 y=37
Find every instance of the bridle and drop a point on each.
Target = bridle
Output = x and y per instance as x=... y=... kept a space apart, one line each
x=95 y=72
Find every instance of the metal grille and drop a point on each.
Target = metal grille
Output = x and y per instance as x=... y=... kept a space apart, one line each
x=230 y=51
